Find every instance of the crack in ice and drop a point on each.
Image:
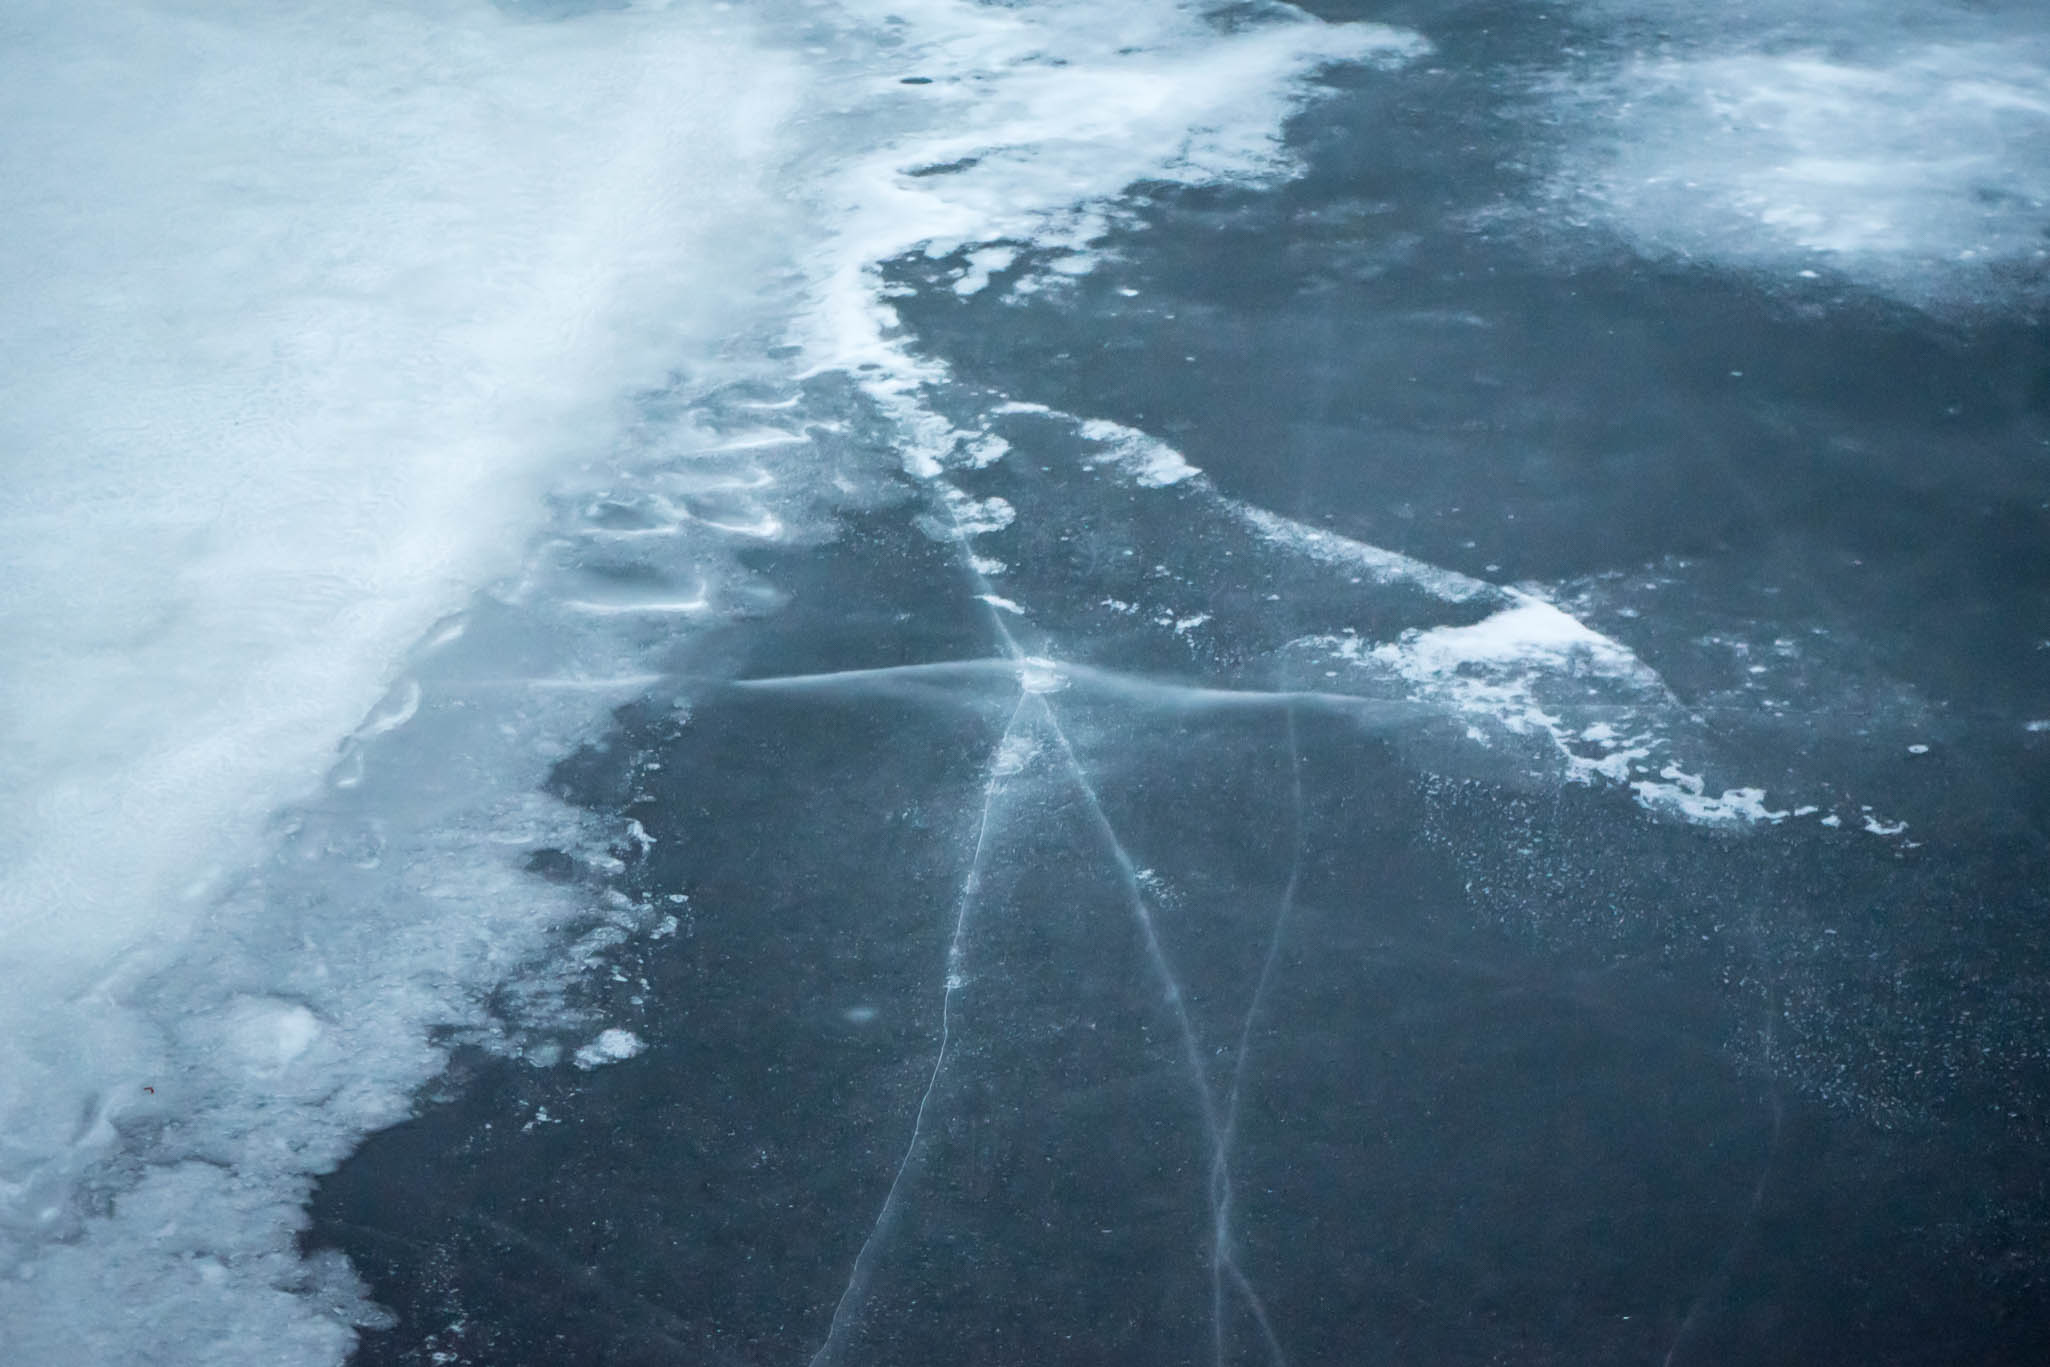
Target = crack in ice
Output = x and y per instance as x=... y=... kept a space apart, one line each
x=1719 y=1280
x=858 y=1280
x=1217 y=1131
x=1040 y=674
x=1223 y=1261
x=1037 y=678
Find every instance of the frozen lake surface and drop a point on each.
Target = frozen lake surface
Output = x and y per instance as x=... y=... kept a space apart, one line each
x=852 y=684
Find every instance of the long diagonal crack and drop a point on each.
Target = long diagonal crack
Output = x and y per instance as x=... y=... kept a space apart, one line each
x=1223 y=1260
x=1216 y=1128
x=856 y=1290
x=1727 y=1265
x=1033 y=675
x=1192 y=1049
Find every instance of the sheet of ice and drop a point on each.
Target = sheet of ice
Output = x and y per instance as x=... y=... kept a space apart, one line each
x=364 y=308
x=319 y=313
x=1529 y=670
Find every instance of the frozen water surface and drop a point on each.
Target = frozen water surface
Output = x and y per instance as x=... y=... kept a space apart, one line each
x=857 y=683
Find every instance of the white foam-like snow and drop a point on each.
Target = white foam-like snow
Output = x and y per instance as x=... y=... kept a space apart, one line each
x=303 y=302
x=1528 y=631
x=1045 y=113
x=984 y=262
x=1147 y=459
x=1917 y=161
x=1685 y=799
x=1518 y=669
x=1380 y=565
x=610 y=1046
x=1530 y=672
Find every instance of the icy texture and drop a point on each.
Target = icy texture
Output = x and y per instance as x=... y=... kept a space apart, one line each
x=391 y=390
x=319 y=315
x=1904 y=147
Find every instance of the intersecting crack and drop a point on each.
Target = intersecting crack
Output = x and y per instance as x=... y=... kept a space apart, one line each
x=1038 y=679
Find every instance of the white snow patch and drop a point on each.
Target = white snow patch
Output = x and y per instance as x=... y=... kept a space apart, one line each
x=1921 y=166
x=982 y=263
x=1524 y=670
x=1383 y=566
x=611 y=1046
x=1529 y=632
x=1148 y=460
x=986 y=450
x=1735 y=806
x=268 y=1036
x=968 y=517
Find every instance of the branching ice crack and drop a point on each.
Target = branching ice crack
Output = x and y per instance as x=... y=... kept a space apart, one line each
x=1035 y=678
x=1217 y=1129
